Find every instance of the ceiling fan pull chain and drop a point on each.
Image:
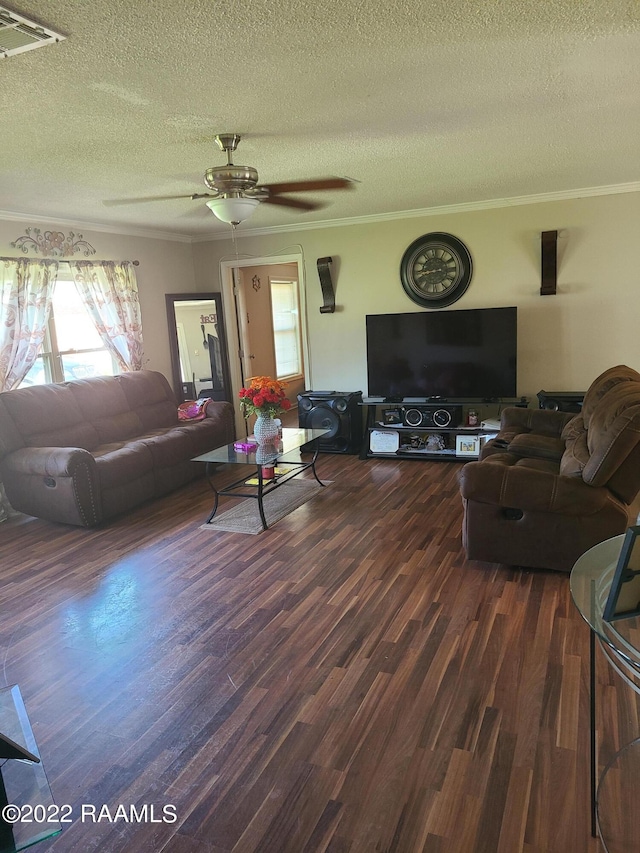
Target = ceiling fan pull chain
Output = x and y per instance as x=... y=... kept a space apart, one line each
x=234 y=238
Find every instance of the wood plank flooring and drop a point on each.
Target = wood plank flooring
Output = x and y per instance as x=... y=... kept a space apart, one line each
x=344 y=682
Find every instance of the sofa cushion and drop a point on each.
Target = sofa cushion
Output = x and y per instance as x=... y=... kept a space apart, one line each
x=528 y=485
x=613 y=435
x=574 y=458
x=149 y=395
x=203 y=435
x=537 y=464
x=602 y=385
x=540 y=446
x=103 y=404
x=167 y=447
x=49 y=416
x=576 y=452
x=122 y=462
x=515 y=420
x=10 y=437
x=573 y=428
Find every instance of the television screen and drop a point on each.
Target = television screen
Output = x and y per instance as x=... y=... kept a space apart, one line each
x=464 y=354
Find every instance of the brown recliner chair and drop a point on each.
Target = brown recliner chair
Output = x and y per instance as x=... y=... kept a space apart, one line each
x=552 y=484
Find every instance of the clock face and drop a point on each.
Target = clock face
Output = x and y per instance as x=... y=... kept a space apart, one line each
x=436 y=270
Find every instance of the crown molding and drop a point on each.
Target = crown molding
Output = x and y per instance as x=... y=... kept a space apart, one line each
x=465 y=207
x=87 y=225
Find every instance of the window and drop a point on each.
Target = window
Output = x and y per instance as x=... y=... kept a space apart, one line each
x=72 y=349
x=286 y=327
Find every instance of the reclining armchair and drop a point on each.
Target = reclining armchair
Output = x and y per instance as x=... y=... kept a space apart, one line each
x=552 y=484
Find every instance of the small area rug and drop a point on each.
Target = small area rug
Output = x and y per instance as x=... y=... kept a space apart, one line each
x=243 y=516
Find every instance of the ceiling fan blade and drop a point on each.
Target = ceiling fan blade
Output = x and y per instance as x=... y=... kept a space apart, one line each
x=294 y=203
x=113 y=202
x=307 y=186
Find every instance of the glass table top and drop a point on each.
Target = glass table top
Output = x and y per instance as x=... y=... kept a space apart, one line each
x=590 y=582
x=619 y=782
x=23 y=783
x=292 y=439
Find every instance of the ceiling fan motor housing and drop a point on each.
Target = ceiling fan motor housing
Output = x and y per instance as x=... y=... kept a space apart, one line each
x=235 y=192
x=231 y=178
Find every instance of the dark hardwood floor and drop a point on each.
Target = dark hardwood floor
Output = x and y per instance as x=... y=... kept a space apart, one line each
x=345 y=681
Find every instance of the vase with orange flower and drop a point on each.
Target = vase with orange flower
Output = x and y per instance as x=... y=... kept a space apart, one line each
x=265 y=398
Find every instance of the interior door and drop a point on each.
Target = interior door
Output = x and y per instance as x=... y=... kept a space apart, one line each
x=257 y=347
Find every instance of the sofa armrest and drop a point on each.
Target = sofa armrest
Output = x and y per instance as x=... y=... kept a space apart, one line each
x=47 y=461
x=222 y=411
x=57 y=483
x=500 y=482
x=542 y=421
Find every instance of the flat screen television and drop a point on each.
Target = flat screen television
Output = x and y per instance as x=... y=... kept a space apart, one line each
x=467 y=354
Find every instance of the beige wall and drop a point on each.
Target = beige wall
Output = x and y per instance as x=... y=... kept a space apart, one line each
x=166 y=266
x=564 y=340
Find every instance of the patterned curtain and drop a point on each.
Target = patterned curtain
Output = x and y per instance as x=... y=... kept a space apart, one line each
x=26 y=287
x=110 y=291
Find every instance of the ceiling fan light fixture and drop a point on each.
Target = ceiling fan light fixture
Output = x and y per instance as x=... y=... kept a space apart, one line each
x=232 y=210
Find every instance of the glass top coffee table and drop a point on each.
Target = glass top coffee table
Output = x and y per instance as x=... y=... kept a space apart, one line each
x=282 y=458
x=29 y=814
x=614 y=793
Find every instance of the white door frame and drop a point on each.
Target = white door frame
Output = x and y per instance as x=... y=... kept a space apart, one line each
x=231 y=319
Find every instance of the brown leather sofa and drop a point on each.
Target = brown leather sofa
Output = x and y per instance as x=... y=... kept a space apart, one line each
x=81 y=452
x=552 y=484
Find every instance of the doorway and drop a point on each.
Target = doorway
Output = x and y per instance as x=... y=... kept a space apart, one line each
x=266 y=324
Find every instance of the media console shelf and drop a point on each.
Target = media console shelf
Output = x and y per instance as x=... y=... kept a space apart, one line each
x=441 y=434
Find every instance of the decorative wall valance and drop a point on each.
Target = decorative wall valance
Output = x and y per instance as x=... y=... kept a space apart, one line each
x=53 y=243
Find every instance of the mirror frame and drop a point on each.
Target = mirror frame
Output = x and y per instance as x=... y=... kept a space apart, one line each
x=171 y=300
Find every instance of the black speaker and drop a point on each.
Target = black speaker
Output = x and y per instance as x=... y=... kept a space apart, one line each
x=432 y=415
x=561 y=401
x=338 y=411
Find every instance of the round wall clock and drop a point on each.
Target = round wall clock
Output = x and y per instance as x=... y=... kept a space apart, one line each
x=436 y=270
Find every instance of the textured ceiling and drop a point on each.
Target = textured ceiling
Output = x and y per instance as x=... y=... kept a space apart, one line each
x=425 y=104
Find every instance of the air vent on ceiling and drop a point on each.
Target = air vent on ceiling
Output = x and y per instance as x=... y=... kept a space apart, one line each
x=18 y=34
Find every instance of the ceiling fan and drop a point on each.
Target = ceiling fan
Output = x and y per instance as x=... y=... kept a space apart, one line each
x=235 y=192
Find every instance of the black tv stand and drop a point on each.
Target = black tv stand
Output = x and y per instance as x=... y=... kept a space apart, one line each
x=459 y=441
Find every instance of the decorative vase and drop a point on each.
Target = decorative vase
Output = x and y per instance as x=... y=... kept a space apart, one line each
x=265 y=430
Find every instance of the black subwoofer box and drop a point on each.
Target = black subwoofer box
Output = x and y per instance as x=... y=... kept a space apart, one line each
x=338 y=411
x=561 y=401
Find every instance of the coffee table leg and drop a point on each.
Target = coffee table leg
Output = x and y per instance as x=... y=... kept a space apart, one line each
x=215 y=506
x=214 y=490
x=260 y=503
x=592 y=734
x=313 y=461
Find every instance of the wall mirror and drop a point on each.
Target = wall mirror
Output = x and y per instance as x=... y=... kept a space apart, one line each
x=199 y=358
